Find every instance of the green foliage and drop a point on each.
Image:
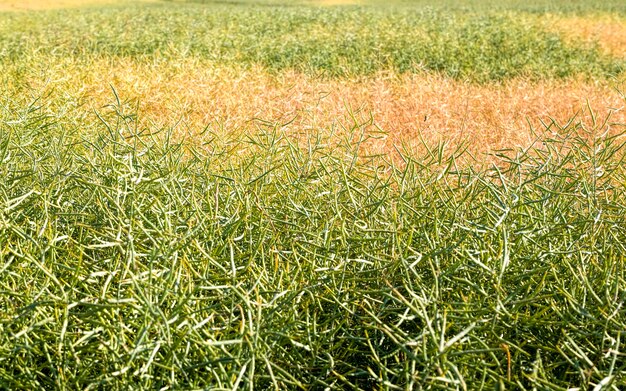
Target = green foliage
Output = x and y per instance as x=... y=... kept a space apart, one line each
x=131 y=260
x=333 y=42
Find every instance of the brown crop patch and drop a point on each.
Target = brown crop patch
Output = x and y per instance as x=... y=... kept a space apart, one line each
x=407 y=108
x=608 y=31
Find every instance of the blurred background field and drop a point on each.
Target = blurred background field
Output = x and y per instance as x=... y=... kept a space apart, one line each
x=459 y=72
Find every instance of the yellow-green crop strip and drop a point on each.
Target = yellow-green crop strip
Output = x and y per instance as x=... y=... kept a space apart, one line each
x=133 y=258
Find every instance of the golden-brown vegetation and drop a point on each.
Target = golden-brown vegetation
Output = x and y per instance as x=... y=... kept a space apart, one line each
x=489 y=116
x=608 y=31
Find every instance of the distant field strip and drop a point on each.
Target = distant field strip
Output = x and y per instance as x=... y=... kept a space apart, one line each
x=337 y=2
x=23 y=5
x=453 y=6
x=328 y=42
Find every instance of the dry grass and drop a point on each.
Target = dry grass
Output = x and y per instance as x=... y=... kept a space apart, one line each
x=607 y=30
x=488 y=116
